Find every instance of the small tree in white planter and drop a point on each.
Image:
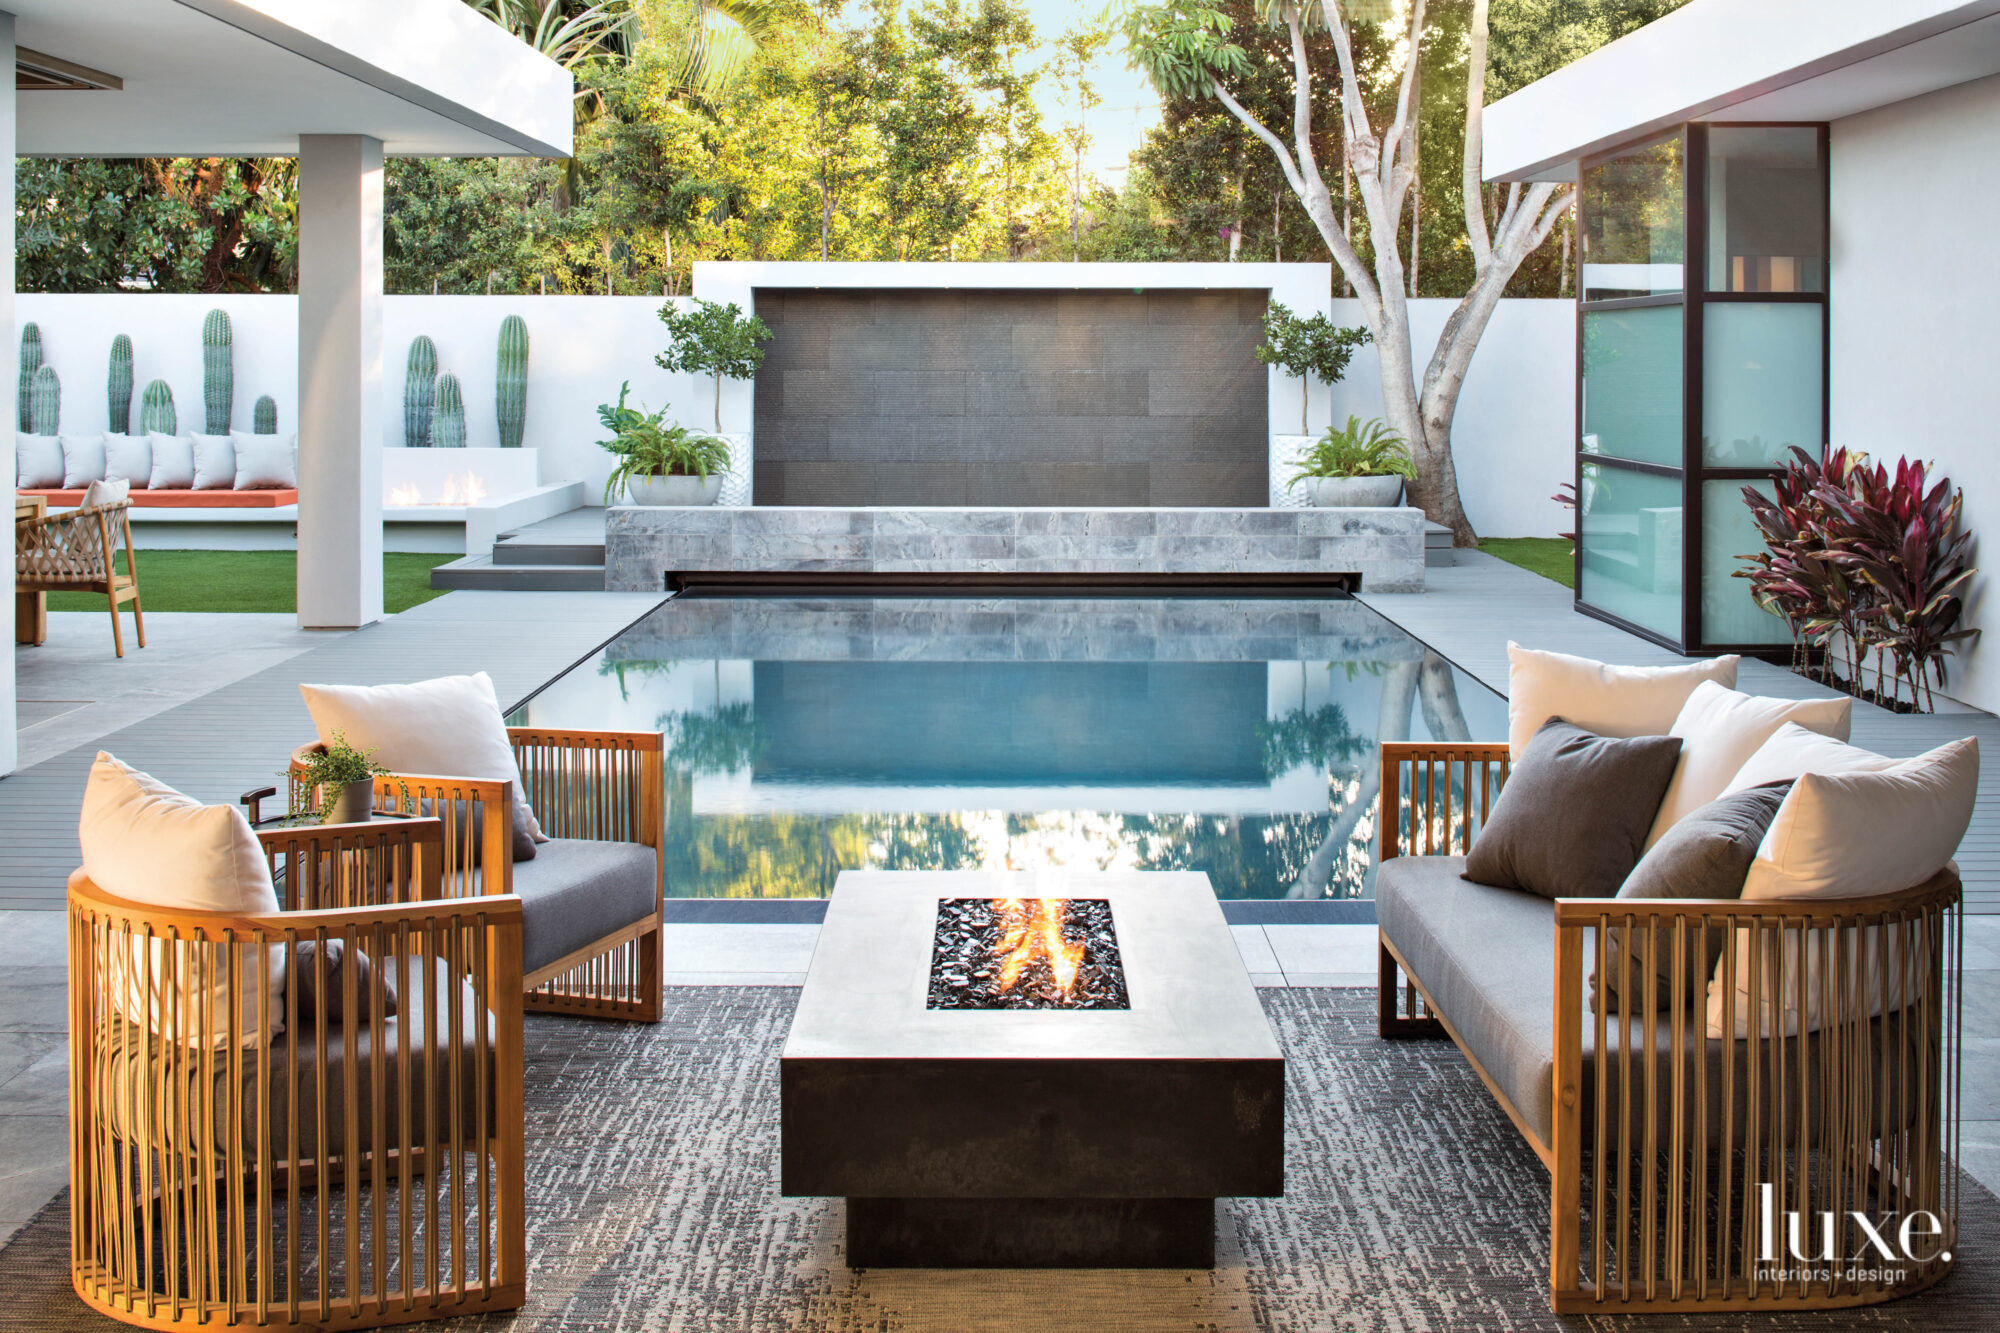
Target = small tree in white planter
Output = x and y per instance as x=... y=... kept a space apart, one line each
x=1312 y=348
x=711 y=339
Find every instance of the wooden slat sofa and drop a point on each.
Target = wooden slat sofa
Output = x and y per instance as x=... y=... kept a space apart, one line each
x=1676 y=1160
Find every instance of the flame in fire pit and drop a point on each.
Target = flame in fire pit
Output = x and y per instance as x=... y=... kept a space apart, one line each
x=460 y=488
x=1032 y=929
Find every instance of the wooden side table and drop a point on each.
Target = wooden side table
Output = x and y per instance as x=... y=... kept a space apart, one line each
x=31 y=609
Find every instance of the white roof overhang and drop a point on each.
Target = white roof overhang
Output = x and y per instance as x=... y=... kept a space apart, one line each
x=245 y=78
x=1740 y=60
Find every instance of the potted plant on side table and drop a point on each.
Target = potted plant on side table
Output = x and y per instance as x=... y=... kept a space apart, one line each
x=1362 y=464
x=341 y=780
x=660 y=462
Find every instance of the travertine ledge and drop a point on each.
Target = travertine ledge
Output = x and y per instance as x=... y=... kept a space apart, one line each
x=1384 y=547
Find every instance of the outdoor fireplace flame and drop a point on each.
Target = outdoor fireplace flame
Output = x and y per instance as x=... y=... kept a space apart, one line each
x=460 y=488
x=1031 y=929
x=1026 y=953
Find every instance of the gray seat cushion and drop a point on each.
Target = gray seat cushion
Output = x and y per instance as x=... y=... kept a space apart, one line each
x=577 y=891
x=1486 y=957
x=416 y=1040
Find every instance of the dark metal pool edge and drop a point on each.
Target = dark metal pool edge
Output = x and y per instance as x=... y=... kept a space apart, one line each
x=811 y=911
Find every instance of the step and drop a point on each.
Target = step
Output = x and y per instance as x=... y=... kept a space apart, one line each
x=480 y=572
x=547 y=553
x=1436 y=536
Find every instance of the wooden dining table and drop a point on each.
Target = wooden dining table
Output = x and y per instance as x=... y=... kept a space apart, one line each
x=31 y=609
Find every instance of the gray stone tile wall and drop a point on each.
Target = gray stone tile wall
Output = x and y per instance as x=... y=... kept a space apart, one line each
x=1011 y=398
x=1384 y=547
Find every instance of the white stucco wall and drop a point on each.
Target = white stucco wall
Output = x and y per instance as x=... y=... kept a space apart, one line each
x=1514 y=438
x=1915 y=278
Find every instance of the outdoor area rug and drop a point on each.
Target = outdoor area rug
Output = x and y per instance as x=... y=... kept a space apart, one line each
x=1410 y=1204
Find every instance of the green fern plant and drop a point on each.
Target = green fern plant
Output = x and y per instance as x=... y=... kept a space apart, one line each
x=646 y=444
x=1358 y=449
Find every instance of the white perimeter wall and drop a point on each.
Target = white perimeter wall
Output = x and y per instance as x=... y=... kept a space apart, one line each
x=1513 y=435
x=1514 y=438
x=1914 y=289
x=579 y=349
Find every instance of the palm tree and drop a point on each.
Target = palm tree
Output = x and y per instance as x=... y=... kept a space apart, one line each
x=572 y=33
x=723 y=37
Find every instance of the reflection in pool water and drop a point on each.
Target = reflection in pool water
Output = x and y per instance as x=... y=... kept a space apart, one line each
x=807 y=736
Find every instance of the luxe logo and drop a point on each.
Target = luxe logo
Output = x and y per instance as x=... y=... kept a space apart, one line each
x=1819 y=1254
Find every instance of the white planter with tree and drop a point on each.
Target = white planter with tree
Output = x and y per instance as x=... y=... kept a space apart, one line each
x=722 y=342
x=1308 y=348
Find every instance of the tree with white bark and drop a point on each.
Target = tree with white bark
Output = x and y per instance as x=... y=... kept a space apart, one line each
x=1184 y=47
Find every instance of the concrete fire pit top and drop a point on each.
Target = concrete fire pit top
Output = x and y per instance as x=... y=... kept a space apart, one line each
x=865 y=992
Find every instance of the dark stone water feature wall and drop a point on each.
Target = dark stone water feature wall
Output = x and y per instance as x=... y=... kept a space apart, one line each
x=1011 y=398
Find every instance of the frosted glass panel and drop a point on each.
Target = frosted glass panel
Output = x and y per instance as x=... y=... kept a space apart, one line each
x=1728 y=615
x=1631 y=536
x=1761 y=388
x=1632 y=384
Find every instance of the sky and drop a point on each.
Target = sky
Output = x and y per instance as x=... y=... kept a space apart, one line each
x=1130 y=106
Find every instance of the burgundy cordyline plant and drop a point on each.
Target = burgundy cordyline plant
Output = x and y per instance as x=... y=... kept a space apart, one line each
x=1857 y=561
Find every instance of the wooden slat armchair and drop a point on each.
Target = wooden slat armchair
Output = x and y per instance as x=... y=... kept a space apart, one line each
x=307 y=1170
x=77 y=551
x=1662 y=1142
x=584 y=786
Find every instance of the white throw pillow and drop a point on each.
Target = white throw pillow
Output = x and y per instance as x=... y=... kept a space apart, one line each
x=106 y=493
x=83 y=460
x=1608 y=700
x=1792 y=750
x=1847 y=835
x=265 y=462
x=1720 y=729
x=214 y=463
x=173 y=462
x=146 y=842
x=38 y=461
x=128 y=458
x=449 y=727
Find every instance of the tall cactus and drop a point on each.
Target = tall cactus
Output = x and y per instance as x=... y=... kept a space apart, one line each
x=419 y=387
x=118 y=385
x=264 y=416
x=31 y=361
x=218 y=372
x=44 y=402
x=510 y=394
x=156 y=409
x=448 y=415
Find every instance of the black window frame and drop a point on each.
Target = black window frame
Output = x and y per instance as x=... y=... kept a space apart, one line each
x=1693 y=298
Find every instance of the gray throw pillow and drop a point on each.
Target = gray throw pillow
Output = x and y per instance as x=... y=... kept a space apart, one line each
x=266 y=462
x=83 y=460
x=1575 y=812
x=128 y=458
x=332 y=1000
x=1706 y=855
x=522 y=844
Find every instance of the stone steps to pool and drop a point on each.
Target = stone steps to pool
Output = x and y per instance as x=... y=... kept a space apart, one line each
x=561 y=554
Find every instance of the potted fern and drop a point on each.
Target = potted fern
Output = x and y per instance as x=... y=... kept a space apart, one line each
x=660 y=462
x=1361 y=464
x=341 y=781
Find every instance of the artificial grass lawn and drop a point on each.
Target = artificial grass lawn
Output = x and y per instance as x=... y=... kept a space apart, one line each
x=249 y=581
x=1547 y=556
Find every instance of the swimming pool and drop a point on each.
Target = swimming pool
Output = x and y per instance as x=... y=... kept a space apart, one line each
x=811 y=735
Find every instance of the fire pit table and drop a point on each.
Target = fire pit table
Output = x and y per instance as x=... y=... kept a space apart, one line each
x=1009 y=1070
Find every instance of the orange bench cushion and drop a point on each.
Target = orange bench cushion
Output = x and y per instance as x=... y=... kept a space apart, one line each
x=184 y=499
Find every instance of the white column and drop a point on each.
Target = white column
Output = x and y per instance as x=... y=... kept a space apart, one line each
x=10 y=750
x=340 y=380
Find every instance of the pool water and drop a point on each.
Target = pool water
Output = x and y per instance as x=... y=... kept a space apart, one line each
x=806 y=736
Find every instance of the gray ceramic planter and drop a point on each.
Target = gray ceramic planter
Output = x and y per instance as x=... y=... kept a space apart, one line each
x=675 y=490
x=1353 y=492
